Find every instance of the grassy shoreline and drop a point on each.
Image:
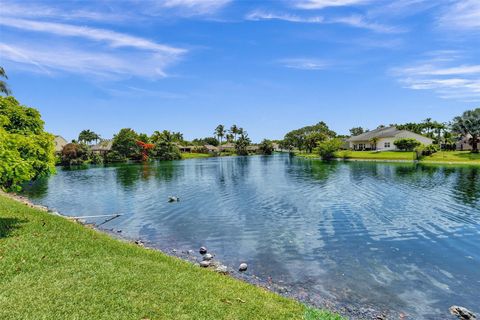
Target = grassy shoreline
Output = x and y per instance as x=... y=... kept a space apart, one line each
x=442 y=157
x=54 y=268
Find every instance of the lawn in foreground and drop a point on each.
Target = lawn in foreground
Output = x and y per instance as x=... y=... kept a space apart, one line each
x=52 y=268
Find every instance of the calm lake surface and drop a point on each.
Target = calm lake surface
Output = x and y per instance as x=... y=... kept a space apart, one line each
x=396 y=237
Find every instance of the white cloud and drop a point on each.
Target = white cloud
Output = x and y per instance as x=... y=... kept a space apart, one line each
x=262 y=15
x=35 y=10
x=462 y=14
x=359 y=21
x=114 y=39
x=356 y=21
x=100 y=52
x=444 y=76
x=52 y=59
x=320 y=4
x=304 y=63
x=196 y=7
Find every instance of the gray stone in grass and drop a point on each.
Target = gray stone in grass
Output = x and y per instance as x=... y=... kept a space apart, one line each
x=207 y=257
x=221 y=269
x=204 y=264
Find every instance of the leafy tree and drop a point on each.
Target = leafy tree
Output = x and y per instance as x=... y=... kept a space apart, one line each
x=125 y=143
x=303 y=138
x=220 y=132
x=165 y=147
x=115 y=156
x=26 y=150
x=242 y=144
x=143 y=137
x=312 y=139
x=469 y=124
x=3 y=85
x=406 y=144
x=357 y=131
x=327 y=148
x=266 y=147
x=75 y=154
x=208 y=140
x=234 y=131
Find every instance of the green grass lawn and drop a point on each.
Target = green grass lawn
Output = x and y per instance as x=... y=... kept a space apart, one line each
x=380 y=155
x=454 y=156
x=53 y=268
x=439 y=157
x=195 y=155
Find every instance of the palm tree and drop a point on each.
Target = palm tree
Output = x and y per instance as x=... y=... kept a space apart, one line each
x=88 y=136
x=469 y=124
x=3 y=85
x=428 y=125
x=220 y=132
x=242 y=143
x=234 y=131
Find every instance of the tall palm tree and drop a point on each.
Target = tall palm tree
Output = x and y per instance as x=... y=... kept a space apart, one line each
x=234 y=131
x=428 y=125
x=220 y=132
x=3 y=85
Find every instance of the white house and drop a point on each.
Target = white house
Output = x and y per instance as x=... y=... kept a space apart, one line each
x=385 y=138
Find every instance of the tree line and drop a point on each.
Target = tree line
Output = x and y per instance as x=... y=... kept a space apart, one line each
x=319 y=137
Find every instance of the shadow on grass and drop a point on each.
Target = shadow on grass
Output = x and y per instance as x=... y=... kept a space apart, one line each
x=8 y=225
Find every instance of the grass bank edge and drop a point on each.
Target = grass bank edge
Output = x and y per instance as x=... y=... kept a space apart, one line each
x=52 y=267
x=443 y=157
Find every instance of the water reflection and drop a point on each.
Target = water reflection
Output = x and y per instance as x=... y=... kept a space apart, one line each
x=395 y=236
x=468 y=185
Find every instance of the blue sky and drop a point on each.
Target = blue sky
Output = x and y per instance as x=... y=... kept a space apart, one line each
x=267 y=66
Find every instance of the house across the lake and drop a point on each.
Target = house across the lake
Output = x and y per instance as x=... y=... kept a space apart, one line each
x=228 y=147
x=464 y=143
x=384 y=139
x=211 y=149
x=103 y=147
x=60 y=142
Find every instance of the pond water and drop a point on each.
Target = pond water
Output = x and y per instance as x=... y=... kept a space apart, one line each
x=402 y=238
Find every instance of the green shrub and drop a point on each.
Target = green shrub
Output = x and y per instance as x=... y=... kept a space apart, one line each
x=266 y=147
x=115 y=156
x=430 y=149
x=406 y=144
x=26 y=150
x=326 y=149
x=95 y=158
x=74 y=154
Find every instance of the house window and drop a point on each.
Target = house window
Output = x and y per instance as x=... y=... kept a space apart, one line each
x=387 y=144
